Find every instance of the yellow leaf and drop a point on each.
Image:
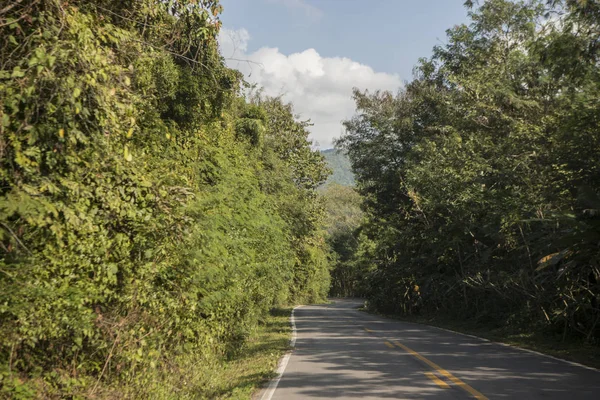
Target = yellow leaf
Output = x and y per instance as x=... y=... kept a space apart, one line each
x=168 y=135
x=547 y=258
x=126 y=154
x=551 y=259
x=130 y=133
x=61 y=133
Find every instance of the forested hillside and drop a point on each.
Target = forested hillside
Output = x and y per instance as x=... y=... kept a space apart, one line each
x=150 y=215
x=480 y=178
x=341 y=169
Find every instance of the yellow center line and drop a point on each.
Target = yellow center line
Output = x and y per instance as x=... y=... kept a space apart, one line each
x=437 y=380
x=442 y=371
x=388 y=344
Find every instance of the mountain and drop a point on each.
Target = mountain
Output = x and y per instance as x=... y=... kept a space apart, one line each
x=340 y=165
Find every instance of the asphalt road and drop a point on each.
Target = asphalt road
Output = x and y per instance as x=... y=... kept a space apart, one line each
x=343 y=353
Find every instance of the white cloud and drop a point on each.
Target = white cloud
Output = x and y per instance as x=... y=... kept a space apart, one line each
x=319 y=87
x=309 y=10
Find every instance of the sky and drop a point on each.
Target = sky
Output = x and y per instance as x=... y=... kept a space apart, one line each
x=313 y=52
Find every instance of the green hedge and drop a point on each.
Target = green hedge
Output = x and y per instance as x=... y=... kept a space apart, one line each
x=149 y=214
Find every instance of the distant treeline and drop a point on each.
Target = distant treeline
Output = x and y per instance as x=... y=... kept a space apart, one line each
x=150 y=215
x=480 y=179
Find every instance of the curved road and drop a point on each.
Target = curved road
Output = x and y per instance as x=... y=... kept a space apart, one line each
x=343 y=353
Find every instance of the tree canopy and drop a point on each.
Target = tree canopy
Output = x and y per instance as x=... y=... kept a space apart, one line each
x=480 y=177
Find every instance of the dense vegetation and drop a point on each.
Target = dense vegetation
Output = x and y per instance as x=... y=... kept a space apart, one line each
x=343 y=223
x=343 y=218
x=480 y=178
x=150 y=215
x=341 y=169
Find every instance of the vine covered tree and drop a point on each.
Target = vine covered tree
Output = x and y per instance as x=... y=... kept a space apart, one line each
x=150 y=215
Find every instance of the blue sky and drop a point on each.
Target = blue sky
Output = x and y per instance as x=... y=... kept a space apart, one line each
x=312 y=52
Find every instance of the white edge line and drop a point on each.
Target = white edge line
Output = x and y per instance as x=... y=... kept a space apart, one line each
x=573 y=363
x=283 y=362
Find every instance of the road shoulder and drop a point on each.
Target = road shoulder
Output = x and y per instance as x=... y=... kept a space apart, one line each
x=584 y=355
x=266 y=391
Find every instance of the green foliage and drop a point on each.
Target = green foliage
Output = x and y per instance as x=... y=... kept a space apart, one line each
x=344 y=216
x=149 y=215
x=480 y=179
x=250 y=125
x=292 y=172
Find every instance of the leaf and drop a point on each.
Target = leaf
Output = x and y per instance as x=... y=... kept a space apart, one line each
x=126 y=154
x=551 y=260
x=112 y=271
x=76 y=92
x=17 y=73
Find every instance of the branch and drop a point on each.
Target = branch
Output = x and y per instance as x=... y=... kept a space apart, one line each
x=15 y=236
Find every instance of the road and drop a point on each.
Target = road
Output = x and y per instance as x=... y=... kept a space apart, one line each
x=343 y=353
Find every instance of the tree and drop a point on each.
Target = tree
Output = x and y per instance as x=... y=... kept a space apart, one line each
x=476 y=174
x=343 y=218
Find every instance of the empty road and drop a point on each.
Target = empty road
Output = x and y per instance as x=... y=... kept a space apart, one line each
x=343 y=353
